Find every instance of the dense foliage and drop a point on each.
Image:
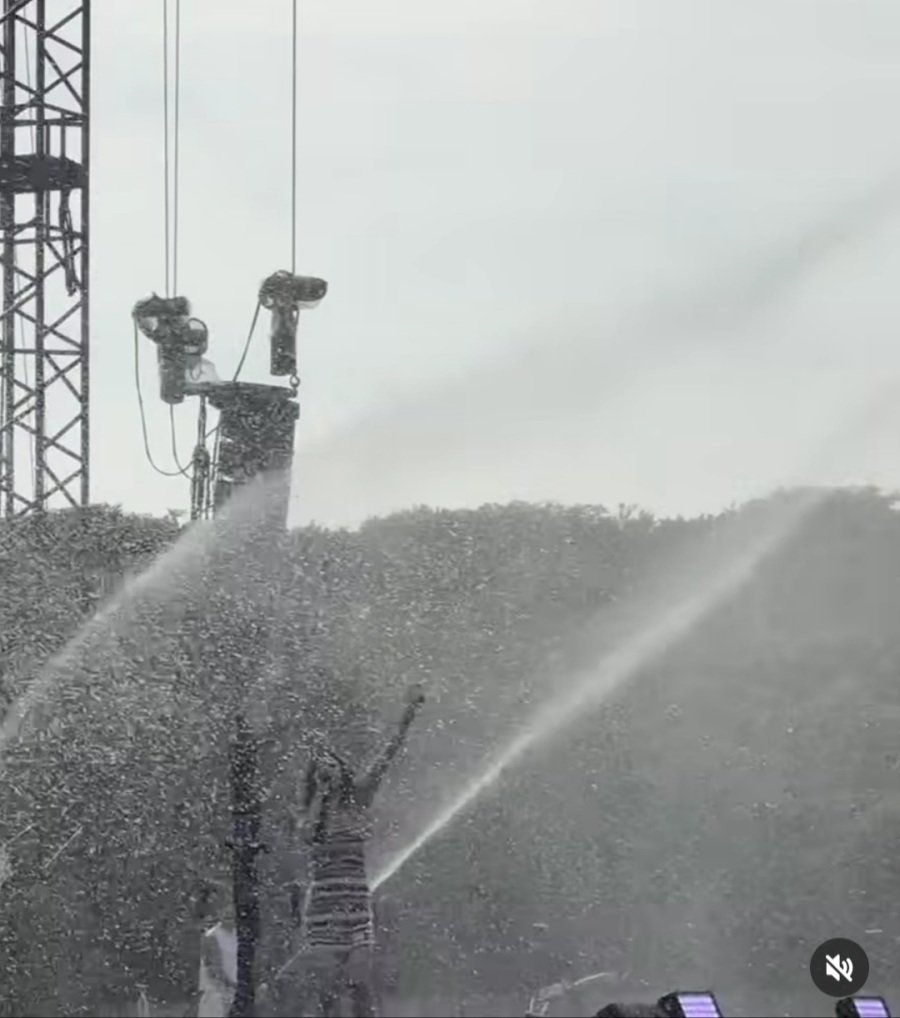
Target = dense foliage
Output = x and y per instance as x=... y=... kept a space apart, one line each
x=712 y=821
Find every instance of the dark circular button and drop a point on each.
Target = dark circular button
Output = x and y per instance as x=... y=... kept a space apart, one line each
x=839 y=967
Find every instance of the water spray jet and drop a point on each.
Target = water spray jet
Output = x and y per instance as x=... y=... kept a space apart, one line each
x=669 y=623
x=621 y=665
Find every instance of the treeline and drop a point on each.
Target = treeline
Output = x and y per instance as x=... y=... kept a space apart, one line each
x=712 y=821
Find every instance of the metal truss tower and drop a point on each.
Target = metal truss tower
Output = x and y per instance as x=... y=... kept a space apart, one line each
x=44 y=154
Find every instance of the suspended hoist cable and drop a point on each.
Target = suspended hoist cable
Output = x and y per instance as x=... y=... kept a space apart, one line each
x=293 y=185
x=176 y=135
x=294 y=138
x=167 y=218
x=249 y=339
x=214 y=431
x=140 y=399
x=170 y=225
x=171 y=138
x=170 y=201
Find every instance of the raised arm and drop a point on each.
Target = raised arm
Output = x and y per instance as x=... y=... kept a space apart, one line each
x=368 y=783
x=312 y=794
x=309 y=820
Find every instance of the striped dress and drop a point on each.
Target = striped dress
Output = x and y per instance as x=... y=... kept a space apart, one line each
x=337 y=915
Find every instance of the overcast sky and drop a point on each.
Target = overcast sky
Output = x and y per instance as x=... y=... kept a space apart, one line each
x=590 y=250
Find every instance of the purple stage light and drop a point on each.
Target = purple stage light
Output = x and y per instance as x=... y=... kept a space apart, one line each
x=871 y=1007
x=698 y=1005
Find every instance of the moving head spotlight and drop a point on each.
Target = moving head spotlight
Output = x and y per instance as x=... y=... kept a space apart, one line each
x=286 y=295
x=180 y=341
x=862 y=1007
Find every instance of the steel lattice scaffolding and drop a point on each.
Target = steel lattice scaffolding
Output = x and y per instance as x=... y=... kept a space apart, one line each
x=44 y=154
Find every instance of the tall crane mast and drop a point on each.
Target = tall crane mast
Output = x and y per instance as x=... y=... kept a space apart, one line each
x=44 y=204
x=44 y=352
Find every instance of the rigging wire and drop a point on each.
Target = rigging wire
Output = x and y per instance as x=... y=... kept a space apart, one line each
x=294 y=139
x=247 y=341
x=166 y=201
x=168 y=253
x=170 y=215
x=214 y=430
x=171 y=139
x=140 y=399
x=176 y=133
x=171 y=130
x=183 y=470
x=175 y=141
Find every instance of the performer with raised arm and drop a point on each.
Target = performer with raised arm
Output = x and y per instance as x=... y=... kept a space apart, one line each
x=337 y=925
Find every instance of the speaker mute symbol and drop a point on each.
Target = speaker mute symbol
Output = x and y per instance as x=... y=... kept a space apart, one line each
x=839 y=968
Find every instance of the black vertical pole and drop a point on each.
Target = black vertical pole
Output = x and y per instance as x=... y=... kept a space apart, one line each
x=246 y=811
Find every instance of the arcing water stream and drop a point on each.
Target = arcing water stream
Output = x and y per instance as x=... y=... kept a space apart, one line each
x=175 y=572
x=158 y=577
x=675 y=613
x=683 y=612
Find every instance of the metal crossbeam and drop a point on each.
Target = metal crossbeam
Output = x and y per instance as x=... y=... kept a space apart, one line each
x=44 y=173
